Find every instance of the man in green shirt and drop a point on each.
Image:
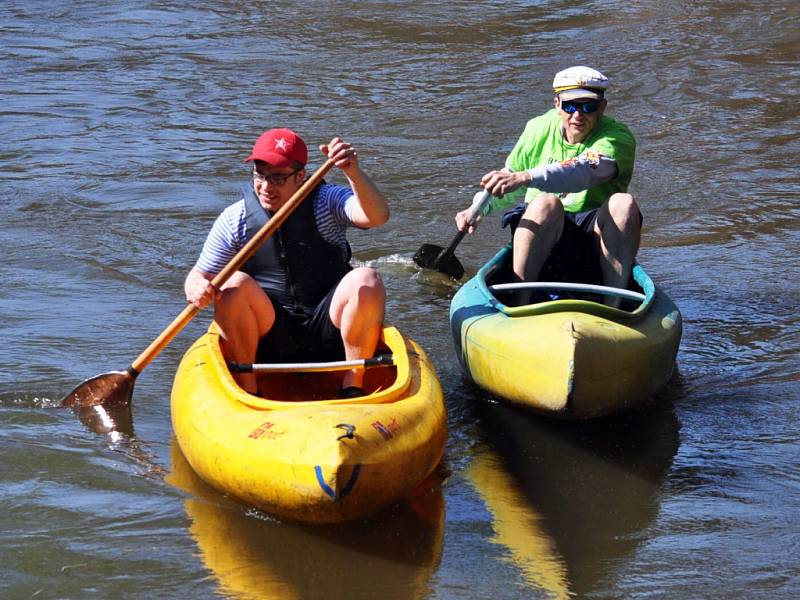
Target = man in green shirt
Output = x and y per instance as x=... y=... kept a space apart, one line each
x=573 y=165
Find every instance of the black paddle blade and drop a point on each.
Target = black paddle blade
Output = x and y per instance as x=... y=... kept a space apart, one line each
x=427 y=254
x=109 y=389
x=431 y=256
x=448 y=264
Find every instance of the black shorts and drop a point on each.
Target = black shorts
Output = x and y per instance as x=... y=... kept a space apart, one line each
x=295 y=338
x=576 y=255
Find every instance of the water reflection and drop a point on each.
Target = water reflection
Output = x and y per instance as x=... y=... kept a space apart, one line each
x=571 y=499
x=116 y=422
x=391 y=555
x=518 y=526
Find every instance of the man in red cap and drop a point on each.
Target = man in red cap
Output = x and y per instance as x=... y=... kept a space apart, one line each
x=572 y=167
x=297 y=298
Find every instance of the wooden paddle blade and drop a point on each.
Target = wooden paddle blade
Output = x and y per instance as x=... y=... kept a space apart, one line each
x=426 y=256
x=114 y=388
x=448 y=264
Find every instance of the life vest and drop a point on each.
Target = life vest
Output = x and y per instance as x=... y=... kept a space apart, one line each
x=296 y=267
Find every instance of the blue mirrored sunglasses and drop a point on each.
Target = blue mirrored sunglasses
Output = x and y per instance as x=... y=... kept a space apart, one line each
x=587 y=108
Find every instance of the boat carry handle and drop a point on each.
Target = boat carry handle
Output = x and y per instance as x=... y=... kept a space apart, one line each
x=382 y=360
x=574 y=287
x=349 y=431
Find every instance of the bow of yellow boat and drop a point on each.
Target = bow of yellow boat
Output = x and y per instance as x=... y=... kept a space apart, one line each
x=573 y=364
x=303 y=454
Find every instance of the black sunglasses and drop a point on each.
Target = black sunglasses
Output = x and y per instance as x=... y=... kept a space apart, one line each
x=587 y=108
x=277 y=179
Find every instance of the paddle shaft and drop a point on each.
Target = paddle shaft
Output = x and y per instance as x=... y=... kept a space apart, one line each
x=475 y=211
x=456 y=241
x=235 y=264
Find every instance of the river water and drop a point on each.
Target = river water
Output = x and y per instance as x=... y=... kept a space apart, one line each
x=123 y=129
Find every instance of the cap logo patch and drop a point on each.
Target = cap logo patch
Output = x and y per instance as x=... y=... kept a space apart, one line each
x=281 y=144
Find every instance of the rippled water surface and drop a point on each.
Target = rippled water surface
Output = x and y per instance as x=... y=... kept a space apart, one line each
x=124 y=126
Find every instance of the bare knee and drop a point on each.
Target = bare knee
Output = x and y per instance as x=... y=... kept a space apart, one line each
x=364 y=284
x=544 y=210
x=241 y=292
x=360 y=290
x=543 y=218
x=624 y=211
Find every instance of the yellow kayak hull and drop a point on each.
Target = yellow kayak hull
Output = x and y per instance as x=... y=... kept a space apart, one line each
x=568 y=358
x=290 y=455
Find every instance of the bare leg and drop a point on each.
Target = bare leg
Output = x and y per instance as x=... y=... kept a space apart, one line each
x=619 y=230
x=357 y=310
x=244 y=314
x=538 y=231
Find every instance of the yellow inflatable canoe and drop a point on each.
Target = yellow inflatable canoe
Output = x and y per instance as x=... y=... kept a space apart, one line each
x=303 y=454
x=566 y=358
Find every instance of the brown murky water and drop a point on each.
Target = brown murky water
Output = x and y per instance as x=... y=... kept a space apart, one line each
x=123 y=127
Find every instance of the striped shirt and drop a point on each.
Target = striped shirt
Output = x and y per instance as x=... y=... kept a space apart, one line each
x=333 y=210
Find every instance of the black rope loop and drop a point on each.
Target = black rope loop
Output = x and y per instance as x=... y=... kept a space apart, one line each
x=349 y=433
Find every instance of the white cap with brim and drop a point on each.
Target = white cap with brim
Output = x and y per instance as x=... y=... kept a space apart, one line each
x=580 y=82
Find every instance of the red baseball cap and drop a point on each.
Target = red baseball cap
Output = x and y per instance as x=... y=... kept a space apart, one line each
x=280 y=148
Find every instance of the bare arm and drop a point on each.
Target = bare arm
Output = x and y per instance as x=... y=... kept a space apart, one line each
x=371 y=209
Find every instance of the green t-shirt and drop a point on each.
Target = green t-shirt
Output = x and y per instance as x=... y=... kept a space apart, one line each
x=543 y=143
